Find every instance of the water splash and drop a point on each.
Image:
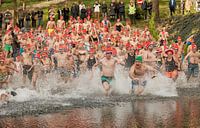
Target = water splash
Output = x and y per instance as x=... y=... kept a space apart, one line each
x=52 y=87
x=161 y=86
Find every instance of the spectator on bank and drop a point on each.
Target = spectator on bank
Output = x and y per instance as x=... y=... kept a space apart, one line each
x=104 y=9
x=34 y=18
x=7 y=18
x=116 y=4
x=1 y=20
x=182 y=7
x=149 y=7
x=60 y=12
x=81 y=6
x=66 y=13
x=188 y=4
x=172 y=6
x=144 y=8
x=21 y=17
x=132 y=12
x=40 y=17
x=112 y=11
x=83 y=13
x=121 y=11
x=77 y=8
x=97 y=10
x=74 y=11
x=28 y=20
x=89 y=11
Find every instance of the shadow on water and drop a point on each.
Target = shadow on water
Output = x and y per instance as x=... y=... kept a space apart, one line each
x=182 y=112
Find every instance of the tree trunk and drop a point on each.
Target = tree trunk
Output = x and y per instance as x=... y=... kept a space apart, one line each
x=15 y=12
x=156 y=8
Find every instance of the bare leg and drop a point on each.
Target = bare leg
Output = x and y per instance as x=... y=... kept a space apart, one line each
x=35 y=76
x=106 y=87
x=24 y=79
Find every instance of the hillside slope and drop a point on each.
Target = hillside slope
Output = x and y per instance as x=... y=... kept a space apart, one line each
x=185 y=26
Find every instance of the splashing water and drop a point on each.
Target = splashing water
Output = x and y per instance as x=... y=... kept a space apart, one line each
x=52 y=87
x=161 y=86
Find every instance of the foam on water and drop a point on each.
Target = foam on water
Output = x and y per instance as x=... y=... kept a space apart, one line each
x=52 y=87
x=161 y=86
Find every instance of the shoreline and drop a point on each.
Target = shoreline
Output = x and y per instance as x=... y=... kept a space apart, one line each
x=47 y=106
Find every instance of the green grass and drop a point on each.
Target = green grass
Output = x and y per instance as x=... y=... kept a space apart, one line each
x=164 y=9
x=8 y=4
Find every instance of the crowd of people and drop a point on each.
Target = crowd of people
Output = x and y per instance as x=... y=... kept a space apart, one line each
x=86 y=44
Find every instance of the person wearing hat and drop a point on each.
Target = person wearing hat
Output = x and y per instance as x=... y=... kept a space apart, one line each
x=148 y=56
x=137 y=73
x=60 y=23
x=108 y=68
x=193 y=59
x=51 y=25
x=171 y=65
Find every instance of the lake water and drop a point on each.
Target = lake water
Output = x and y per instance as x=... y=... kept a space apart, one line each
x=170 y=113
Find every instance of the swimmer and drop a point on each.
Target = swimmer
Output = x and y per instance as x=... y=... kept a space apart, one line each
x=137 y=73
x=108 y=68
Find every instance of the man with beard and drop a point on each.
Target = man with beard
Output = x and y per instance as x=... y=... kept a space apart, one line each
x=138 y=72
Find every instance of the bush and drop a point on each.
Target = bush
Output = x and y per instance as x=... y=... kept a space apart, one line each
x=152 y=27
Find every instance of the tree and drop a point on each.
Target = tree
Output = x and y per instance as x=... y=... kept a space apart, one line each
x=15 y=11
x=156 y=8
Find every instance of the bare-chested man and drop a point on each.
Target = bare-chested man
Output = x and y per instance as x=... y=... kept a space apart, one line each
x=4 y=72
x=51 y=25
x=37 y=65
x=193 y=59
x=27 y=64
x=149 y=57
x=70 y=67
x=61 y=58
x=137 y=73
x=60 y=23
x=108 y=68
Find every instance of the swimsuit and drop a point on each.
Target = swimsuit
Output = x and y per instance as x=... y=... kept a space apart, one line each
x=50 y=31
x=106 y=79
x=26 y=71
x=8 y=47
x=136 y=83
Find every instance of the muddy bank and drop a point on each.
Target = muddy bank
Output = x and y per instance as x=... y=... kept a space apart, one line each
x=184 y=26
x=37 y=107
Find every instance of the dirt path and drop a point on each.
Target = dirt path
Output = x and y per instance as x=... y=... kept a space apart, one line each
x=46 y=4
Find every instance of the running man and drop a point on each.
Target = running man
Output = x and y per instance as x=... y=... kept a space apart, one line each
x=193 y=59
x=108 y=68
x=137 y=73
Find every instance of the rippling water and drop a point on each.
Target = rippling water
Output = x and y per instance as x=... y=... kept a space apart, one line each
x=182 y=112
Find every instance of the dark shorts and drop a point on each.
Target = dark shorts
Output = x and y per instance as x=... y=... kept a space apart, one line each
x=64 y=73
x=136 y=83
x=106 y=79
x=193 y=69
x=26 y=71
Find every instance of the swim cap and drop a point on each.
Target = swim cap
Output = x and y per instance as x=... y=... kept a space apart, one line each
x=139 y=59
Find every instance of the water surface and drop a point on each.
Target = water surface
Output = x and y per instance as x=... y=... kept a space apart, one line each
x=172 y=113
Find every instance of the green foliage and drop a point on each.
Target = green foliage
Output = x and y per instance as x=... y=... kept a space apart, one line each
x=152 y=27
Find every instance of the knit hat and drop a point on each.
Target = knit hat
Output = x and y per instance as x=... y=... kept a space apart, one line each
x=139 y=59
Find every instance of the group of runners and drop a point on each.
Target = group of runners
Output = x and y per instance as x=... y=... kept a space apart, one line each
x=83 y=45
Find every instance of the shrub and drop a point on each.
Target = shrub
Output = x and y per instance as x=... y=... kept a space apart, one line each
x=152 y=27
